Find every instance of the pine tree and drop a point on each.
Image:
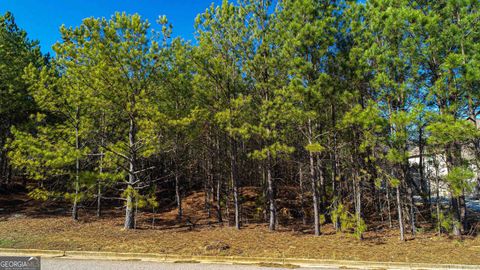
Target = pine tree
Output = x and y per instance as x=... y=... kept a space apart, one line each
x=17 y=51
x=220 y=58
x=308 y=35
x=118 y=60
x=56 y=148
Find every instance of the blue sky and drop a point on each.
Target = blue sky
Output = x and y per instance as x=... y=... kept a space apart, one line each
x=42 y=18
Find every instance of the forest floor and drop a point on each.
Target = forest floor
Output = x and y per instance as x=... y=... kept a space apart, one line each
x=32 y=226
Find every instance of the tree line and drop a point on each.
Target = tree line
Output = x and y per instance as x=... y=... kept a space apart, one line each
x=329 y=98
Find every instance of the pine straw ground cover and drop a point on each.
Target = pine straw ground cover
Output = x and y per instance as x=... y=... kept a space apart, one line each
x=28 y=230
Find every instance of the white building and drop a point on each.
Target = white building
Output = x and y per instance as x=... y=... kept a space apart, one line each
x=435 y=170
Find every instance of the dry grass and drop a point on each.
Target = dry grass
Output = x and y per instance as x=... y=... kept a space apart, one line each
x=42 y=231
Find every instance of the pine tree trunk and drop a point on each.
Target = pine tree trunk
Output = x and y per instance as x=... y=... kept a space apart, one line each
x=99 y=186
x=178 y=196
x=456 y=214
x=211 y=197
x=400 y=216
x=316 y=212
x=335 y=187
x=9 y=172
x=206 y=188
x=412 y=211
x=322 y=195
x=423 y=180
x=129 y=211
x=100 y=169
x=233 y=176
x=389 y=207
x=77 y=170
x=264 y=191
x=219 y=200
x=358 y=202
x=437 y=199
x=463 y=212
x=459 y=213
x=227 y=205
x=302 y=196
x=99 y=199
x=2 y=160
x=219 y=182
x=271 y=195
x=455 y=200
